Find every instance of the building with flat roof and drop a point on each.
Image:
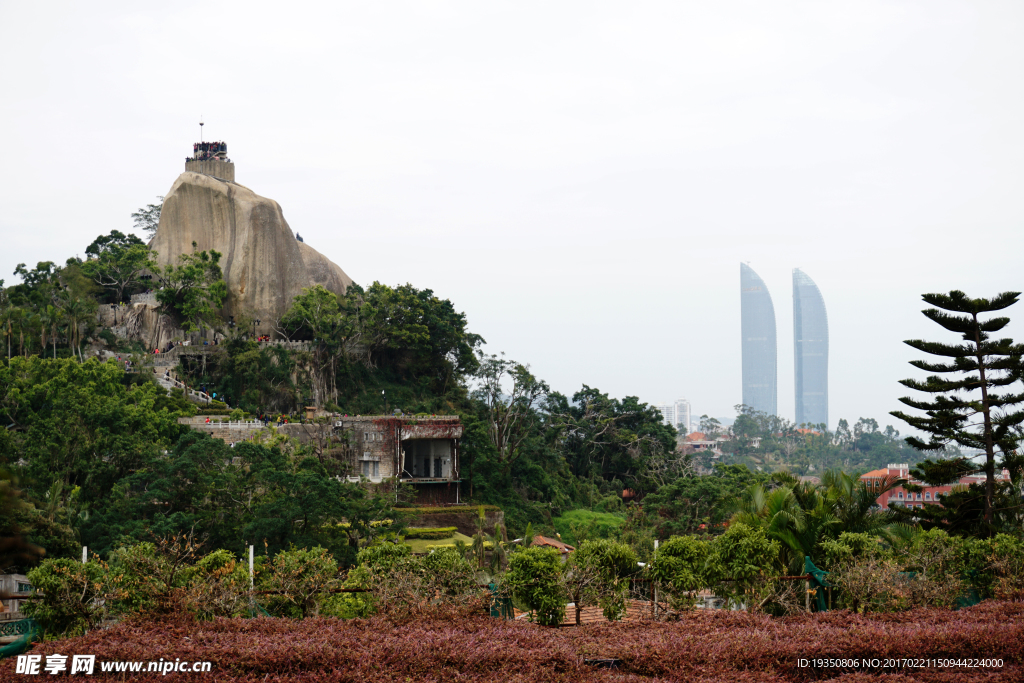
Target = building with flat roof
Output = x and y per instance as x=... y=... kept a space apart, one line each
x=421 y=451
x=676 y=414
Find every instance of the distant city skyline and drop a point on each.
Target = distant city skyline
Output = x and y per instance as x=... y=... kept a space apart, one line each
x=651 y=143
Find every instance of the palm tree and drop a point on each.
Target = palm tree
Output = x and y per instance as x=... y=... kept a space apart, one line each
x=784 y=517
x=16 y=316
x=5 y=323
x=76 y=314
x=49 y=318
x=856 y=505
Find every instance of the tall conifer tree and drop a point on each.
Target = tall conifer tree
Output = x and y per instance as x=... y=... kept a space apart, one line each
x=973 y=400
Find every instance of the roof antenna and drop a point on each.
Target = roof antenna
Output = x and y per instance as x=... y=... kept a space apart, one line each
x=200 y=143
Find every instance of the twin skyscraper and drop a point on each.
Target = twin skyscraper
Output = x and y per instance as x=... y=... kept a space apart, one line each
x=810 y=347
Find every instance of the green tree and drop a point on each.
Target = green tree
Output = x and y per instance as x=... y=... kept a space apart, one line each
x=534 y=579
x=680 y=565
x=957 y=413
x=616 y=564
x=117 y=262
x=331 y=324
x=700 y=504
x=194 y=290
x=511 y=411
x=741 y=561
x=147 y=219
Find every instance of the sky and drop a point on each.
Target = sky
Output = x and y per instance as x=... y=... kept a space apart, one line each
x=582 y=179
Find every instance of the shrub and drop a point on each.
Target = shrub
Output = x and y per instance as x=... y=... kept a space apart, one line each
x=148 y=577
x=430 y=533
x=303 y=576
x=69 y=596
x=404 y=586
x=713 y=646
x=928 y=573
x=219 y=587
x=454 y=509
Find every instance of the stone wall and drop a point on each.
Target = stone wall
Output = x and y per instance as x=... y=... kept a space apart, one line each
x=225 y=430
x=224 y=170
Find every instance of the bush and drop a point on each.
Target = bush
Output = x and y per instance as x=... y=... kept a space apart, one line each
x=148 y=577
x=303 y=576
x=713 y=646
x=70 y=596
x=430 y=533
x=454 y=509
x=219 y=587
x=404 y=586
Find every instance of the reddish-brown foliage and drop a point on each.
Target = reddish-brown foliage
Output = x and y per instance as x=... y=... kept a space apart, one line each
x=705 y=647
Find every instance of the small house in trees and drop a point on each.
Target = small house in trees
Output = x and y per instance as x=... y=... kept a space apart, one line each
x=419 y=450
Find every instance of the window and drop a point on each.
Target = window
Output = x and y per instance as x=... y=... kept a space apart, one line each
x=366 y=468
x=901 y=495
x=927 y=495
x=919 y=496
x=376 y=468
x=24 y=587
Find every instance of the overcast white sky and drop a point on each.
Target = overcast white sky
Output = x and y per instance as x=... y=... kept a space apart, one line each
x=581 y=178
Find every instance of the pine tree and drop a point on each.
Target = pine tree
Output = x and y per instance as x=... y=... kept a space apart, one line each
x=957 y=413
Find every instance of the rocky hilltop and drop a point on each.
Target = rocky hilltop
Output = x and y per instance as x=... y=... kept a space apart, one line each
x=264 y=266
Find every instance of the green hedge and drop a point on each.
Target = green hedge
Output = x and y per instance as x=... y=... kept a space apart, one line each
x=432 y=533
x=454 y=509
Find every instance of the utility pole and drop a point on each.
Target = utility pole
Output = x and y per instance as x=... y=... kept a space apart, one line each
x=201 y=164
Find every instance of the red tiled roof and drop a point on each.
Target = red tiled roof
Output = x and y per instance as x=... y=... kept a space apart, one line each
x=544 y=541
x=876 y=473
x=696 y=436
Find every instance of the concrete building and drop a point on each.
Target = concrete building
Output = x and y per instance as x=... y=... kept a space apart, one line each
x=757 y=327
x=11 y=587
x=932 y=495
x=677 y=414
x=421 y=451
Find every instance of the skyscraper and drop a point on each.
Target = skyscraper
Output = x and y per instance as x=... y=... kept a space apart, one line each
x=683 y=415
x=810 y=351
x=757 y=325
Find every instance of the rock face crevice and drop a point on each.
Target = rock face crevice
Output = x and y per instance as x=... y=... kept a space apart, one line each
x=264 y=266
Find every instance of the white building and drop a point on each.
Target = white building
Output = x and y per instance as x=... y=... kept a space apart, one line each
x=677 y=414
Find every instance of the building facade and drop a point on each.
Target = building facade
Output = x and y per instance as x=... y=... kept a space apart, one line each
x=677 y=415
x=421 y=451
x=757 y=326
x=931 y=495
x=810 y=351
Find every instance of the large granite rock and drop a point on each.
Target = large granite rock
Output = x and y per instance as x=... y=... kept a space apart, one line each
x=264 y=266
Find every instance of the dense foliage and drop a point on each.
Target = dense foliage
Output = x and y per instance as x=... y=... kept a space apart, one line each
x=710 y=647
x=92 y=453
